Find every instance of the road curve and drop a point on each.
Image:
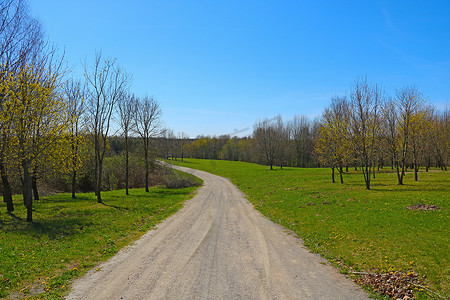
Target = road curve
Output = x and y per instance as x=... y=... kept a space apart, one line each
x=216 y=247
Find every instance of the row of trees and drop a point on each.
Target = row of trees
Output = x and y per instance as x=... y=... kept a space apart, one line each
x=371 y=130
x=274 y=142
x=367 y=130
x=50 y=125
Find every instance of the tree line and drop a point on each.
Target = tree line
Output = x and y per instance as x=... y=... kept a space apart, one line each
x=367 y=130
x=52 y=126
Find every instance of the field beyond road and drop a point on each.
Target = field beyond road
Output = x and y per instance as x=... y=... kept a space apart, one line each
x=359 y=230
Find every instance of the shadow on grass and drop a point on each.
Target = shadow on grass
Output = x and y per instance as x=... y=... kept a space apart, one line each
x=115 y=206
x=67 y=198
x=56 y=228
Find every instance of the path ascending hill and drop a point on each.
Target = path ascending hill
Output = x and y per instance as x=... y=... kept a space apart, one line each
x=217 y=247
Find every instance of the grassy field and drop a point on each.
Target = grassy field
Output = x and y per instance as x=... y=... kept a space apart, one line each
x=357 y=229
x=68 y=236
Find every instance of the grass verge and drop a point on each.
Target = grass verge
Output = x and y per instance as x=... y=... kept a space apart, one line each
x=354 y=228
x=70 y=236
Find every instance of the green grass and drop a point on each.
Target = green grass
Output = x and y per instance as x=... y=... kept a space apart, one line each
x=68 y=236
x=354 y=228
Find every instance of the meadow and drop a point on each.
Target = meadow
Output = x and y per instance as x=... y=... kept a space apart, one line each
x=356 y=229
x=70 y=236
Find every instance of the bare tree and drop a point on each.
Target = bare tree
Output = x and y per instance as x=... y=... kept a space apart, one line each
x=126 y=108
x=147 y=125
x=183 y=139
x=107 y=82
x=409 y=101
x=283 y=136
x=303 y=143
x=365 y=103
x=75 y=94
x=390 y=127
x=266 y=137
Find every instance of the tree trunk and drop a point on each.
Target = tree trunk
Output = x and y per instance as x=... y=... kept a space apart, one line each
x=399 y=175
x=147 y=173
x=27 y=190
x=34 y=187
x=332 y=174
x=366 y=172
x=74 y=183
x=99 y=182
x=126 y=165
x=340 y=173
x=368 y=182
x=74 y=163
x=7 y=194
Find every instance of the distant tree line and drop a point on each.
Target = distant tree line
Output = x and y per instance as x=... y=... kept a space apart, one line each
x=368 y=130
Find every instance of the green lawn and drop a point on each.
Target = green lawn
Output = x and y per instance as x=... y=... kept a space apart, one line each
x=355 y=228
x=68 y=236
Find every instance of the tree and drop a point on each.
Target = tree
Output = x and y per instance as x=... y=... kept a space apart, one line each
x=126 y=107
x=107 y=82
x=20 y=42
x=440 y=137
x=333 y=143
x=282 y=136
x=183 y=138
x=147 y=125
x=390 y=128
x=265 y=136
x=409 y=102
x=38 y=120
x=75 y=94
x=365 y=101
x=419 y=127
x=303 y=143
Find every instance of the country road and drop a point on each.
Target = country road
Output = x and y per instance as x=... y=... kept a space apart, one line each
x=216 y=247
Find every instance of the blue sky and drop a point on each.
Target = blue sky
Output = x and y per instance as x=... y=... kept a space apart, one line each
x=219 y=66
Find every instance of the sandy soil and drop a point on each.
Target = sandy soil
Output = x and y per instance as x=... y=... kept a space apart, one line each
x=216 y=247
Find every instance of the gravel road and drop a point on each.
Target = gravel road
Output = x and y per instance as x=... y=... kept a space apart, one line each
x=216 y=247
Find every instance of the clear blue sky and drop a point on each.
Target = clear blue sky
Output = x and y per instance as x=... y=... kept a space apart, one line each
x=216 y=66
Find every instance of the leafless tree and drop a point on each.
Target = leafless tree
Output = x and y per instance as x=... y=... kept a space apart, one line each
x=126 y=108
x=365 y=101
x=183 y=139
x=106 y=82
x=75 y=93
x=266 y=137
x=409 y=101
x=283 y=136
x=303 y=142
x=147 y=125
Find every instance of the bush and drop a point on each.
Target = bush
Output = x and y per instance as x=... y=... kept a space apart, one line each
x=177 y=180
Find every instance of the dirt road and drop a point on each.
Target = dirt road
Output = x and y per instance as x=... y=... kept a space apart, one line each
x=216 y=247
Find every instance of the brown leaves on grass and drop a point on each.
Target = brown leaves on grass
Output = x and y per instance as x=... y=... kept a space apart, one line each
x=424 y=207
x=396 y=285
